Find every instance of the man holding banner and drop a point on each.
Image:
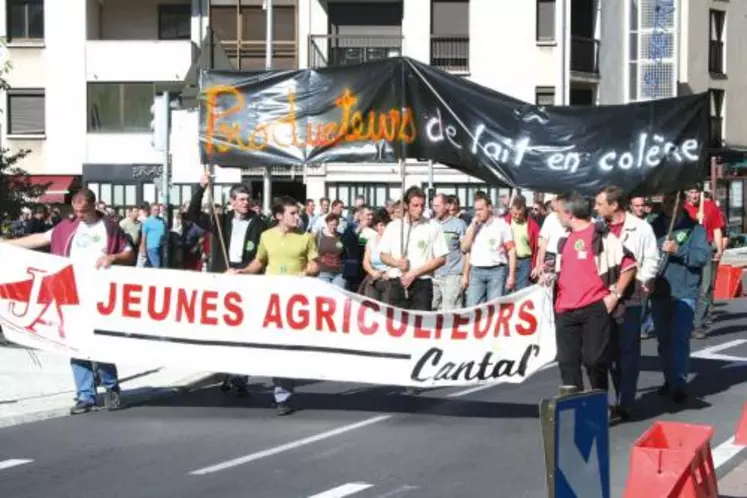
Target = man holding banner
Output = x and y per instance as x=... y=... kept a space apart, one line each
x=284 y=250
x=90 y=238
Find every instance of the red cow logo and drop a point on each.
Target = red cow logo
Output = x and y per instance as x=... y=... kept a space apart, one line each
x=41 y=294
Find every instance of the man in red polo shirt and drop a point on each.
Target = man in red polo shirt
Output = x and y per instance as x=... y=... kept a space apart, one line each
x=714 y=225
x=593 y=272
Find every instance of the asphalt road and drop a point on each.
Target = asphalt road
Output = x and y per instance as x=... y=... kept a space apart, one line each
x=349 y=440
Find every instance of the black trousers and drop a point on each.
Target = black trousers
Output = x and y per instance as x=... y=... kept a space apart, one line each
x=584 y=337
x=419 y=296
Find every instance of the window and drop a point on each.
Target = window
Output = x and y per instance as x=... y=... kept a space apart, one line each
x=450 y=35
x=545 y=20
x=120 y=107
x=25 y=112
x=465 y=192
x=376 y=194
x=716 y=42
x=544 y=95
x=717 y=117
x=25 y=19
x=174 y=22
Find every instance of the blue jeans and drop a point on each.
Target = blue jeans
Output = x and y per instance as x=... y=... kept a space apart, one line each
x=335 y=279
x=647 y=322
x=84 y=379
x=523 y=272
x=485 y=284
x=153 y=257
x=673 y=320
x=626 y=360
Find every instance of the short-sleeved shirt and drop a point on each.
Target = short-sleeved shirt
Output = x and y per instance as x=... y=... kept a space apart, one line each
x=90 y=242
x=132 y=229
x=552 y=231
x=424 y=241
x=712 y=219
x=579 y=283
x=491 y=243
x=286 y=253
x=154 y=231
x=454 y=230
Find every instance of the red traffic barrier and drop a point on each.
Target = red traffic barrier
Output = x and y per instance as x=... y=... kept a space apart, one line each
x=740 y=436
x=728 y=282
x=672 y=460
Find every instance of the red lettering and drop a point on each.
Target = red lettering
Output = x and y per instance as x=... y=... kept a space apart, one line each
x=529 y=325
x=107 y=309
x=185 y=305
x=346 y=316
x=362 y=326
x=457 y=322
x=325 y=310
x=235 y=314
x=159 y=315
x=273 y=315
x=482 y=330
x=303 y=319
x=504 y=315
x=208 y=306
x=439 y=325
x=130 y=298
x=420 y=332
x=403 y=321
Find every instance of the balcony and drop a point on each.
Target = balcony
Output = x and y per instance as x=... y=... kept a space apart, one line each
x=716 y=57
x=138 y=60
x=249 y=55
x=344 y=50
x=450 y=53
x=585 y=56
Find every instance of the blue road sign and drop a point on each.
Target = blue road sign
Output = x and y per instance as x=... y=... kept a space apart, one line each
x=582 y=446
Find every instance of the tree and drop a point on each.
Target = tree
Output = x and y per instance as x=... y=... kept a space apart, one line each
x=16 y=189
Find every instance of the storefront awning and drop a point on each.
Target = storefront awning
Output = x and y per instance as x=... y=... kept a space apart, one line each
x=58 y=186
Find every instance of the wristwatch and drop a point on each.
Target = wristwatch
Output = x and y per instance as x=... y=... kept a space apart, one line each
x=616 y=293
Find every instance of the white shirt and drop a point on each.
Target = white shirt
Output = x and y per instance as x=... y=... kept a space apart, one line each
x=489 y=245
x=89 y=242
x=238 y=236
x=552 y=231
x=320 y=224
x=426 y=242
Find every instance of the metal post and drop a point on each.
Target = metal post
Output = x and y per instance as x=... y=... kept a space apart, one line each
x=267 y=190
x=565 y=36
x=166 y=175
x=268 y=38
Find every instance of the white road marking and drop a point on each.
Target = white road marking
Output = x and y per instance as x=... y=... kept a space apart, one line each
x=289 y=446
x=708 y=352
x=344 y=490
x=15 y=462
x=725 y=452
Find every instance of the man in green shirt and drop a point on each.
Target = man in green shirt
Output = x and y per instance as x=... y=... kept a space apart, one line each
x=284 y=250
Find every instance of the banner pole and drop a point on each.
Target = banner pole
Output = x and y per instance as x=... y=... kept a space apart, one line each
x=403 y=172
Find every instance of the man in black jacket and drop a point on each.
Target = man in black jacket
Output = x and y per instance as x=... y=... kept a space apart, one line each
x=240 y=230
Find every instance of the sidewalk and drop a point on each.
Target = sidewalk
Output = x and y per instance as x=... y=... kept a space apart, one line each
x=35 y=385
x=734 y=483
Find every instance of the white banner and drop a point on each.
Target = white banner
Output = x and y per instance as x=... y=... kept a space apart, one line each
x=268 y=326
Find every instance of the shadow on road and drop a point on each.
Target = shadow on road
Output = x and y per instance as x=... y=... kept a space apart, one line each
x=375 y=399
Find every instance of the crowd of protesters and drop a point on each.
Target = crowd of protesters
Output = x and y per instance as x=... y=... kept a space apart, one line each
x=618 y=272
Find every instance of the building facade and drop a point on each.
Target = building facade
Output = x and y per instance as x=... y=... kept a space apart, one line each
x=85 y=71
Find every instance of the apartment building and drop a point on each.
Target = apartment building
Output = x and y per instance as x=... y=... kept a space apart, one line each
x=85 y=72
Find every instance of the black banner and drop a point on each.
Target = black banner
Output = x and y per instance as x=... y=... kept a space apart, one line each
x=382 y=111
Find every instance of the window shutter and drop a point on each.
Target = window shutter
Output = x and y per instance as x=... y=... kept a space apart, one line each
x=26 y=113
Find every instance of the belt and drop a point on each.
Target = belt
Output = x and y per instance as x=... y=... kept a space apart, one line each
x=489 y=267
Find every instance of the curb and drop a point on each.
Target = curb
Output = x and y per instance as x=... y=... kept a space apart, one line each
x=135 y=399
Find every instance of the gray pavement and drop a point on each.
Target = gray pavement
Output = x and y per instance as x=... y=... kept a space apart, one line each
x=349 y=440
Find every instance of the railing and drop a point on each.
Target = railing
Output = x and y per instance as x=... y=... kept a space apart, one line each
x=584 y=55
x=344 y=50
x=716 y=57
x=450 y=53
x=250 y=54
